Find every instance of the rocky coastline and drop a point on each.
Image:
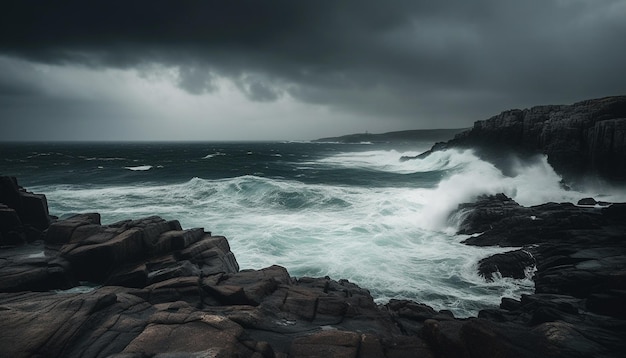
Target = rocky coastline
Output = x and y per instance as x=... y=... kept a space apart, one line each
x=587 y=138
x=149 y=288
x=146 y=287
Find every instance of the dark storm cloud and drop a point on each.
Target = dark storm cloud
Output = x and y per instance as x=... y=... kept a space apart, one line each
x=196 y=79
x=257 y=90
x=449 y=61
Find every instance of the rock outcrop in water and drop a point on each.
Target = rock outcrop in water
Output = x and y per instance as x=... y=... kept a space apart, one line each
x=156 y=290
x=585 y=138
x=578 y=250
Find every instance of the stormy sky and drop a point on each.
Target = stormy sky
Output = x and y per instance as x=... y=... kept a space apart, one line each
x=295 y=69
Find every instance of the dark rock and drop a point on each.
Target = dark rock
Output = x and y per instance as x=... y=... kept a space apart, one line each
x=578 y=251
x=587 y=137
x=412 y=310
x=190 y=331
x=28 y=268
x=587 y=201
x=510 y=304
x=136 y=253
x=177 y=239
x=10 y=193
x=106 y=322
x=372 y=347
x=615 y=211
x=326 y=344
x=61 y=232
x=95 y=262
x=251 y=286
x=405 y=346
x=483 y=338
x=580 y=273
x=8 y=219
x=23 y=215
x=11 y=229
x=501 y=221
x=514 y=264
x=480 y=216
x=445 y=338
x=546 y=314
x=568 y=341
x=130 y=276
x=410 y=316
x=496 y=315
x=610 y=303
x=212 y=254
x=34 y=210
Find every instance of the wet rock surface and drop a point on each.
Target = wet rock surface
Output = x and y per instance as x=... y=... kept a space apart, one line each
x=149 y=288
x=579 y=259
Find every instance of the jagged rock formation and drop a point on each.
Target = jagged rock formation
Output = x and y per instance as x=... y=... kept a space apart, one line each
x=158 y=290
x=587 y=137
x=579 y=251
x=23 y=215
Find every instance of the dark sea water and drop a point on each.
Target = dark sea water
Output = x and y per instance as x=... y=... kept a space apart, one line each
x=352 y=211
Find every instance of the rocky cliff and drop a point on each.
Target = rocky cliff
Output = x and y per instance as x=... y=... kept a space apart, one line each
x=585 y=138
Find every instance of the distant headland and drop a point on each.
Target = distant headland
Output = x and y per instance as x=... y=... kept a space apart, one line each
x=417 y=135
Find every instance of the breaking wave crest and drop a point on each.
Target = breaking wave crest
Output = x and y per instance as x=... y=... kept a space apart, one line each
x=140 y=168
x=397 y=241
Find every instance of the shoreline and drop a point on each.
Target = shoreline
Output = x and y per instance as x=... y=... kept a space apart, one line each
x=193 y=278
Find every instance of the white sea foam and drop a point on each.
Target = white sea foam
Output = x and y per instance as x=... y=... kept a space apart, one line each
x=397 y=242
x=37 y=255
x=104 y=159
x=532 y=183
x=140 y=168
x=378 y=160
x=212 y=155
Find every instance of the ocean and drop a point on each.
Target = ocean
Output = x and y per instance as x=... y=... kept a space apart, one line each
x=348 y=211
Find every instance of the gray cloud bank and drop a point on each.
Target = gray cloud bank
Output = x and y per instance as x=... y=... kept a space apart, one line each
x=415 y=64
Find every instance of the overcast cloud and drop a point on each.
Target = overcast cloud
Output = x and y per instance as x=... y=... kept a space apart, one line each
x=228 y=70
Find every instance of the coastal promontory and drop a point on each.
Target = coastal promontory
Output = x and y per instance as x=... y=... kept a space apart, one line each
x=587 y=138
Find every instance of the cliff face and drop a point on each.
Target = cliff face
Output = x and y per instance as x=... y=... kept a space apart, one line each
x=587 y=137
